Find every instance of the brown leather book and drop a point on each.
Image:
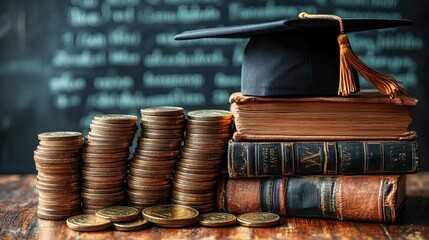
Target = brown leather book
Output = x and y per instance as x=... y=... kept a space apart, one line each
x=367 y=115
x=357 y=198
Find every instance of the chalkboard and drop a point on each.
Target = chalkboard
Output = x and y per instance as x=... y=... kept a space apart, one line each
x=62 y=62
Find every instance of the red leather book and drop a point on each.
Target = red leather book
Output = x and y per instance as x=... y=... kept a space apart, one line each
x=358 y=198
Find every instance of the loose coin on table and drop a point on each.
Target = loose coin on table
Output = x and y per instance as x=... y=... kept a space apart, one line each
x=118 y=213
x=137 y=224
x=171 y=215
x=217 y=219
x=258 y=219
x=87 y=222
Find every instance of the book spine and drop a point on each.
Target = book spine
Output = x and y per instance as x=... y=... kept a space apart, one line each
x=356 y=198
x=270 y=159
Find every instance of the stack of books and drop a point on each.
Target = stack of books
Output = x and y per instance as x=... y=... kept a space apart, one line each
x=329 y=157
x=307 y=142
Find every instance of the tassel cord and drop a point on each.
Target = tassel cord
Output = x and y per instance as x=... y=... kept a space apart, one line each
x=386 y=84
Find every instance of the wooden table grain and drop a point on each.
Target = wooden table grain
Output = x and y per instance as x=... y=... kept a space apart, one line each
x=18 y=220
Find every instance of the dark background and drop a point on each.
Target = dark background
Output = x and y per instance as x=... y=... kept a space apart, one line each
x=62 y=62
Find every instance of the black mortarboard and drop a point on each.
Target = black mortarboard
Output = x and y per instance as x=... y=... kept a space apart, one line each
x=302 y=56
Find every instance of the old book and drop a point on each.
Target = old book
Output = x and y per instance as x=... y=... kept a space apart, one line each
x=363 y=116
x=358 y=198
x=274 y=159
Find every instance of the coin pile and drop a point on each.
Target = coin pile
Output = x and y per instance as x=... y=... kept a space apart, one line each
x=57 y=160
x=104 y=161
x=123 y=218
x=195 y=179
x=158 y=148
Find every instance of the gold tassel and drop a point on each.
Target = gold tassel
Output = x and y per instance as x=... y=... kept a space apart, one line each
x=386 y=84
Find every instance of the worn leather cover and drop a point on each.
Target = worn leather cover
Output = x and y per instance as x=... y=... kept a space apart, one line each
x=375 y=198
x=274 y=159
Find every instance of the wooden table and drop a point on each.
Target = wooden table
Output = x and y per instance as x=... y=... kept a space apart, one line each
x=18 y=206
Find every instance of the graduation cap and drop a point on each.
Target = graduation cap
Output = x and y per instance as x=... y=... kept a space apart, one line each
x=306 y=56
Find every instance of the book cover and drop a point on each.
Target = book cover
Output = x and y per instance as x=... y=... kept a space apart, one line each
x=375 y=198
x=274 y=159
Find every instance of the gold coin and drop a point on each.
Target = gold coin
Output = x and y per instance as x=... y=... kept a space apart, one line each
x=217 y=219
x=163 y=119
x=149 y=187
x=87 y=222
x=59 y=136
x=192 y=130
x=171 y=215
x=149 y=153
x=101 y=185
x=162 y=111
x=161 y=135
x=152 y=201
x=51 y=155
x=61 y=143
x=67 y=148
x=258 y=219
x=120 y=136
x=217 y=123
x=116 y=118
x=137 y=224
x=102 y=191
x=114 y=126
x=210 y=114
x=118 y=213
x=55 y=217
x=163 y=131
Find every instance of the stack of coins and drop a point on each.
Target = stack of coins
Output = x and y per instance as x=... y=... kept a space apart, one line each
x=206 y=143
x=57 y=160
x=151 y=169
x=105 y=159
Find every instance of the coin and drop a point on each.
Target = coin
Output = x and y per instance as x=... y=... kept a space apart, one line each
x=137 y=224
x=162 y=111
x=87 y=222
x=171 y=215
x=118 y=213
x=55 y=217
x=190 y=199
x=258 y=219
x=114 y=126
x=143 y=194
x=217 y=219
x=149 y=187
x=101 y=191
x=207 y=131
x=61 y=143
x=210 y=114
x=59 y=135
x=53 y=155
x=116 y=118
x=216 y=123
